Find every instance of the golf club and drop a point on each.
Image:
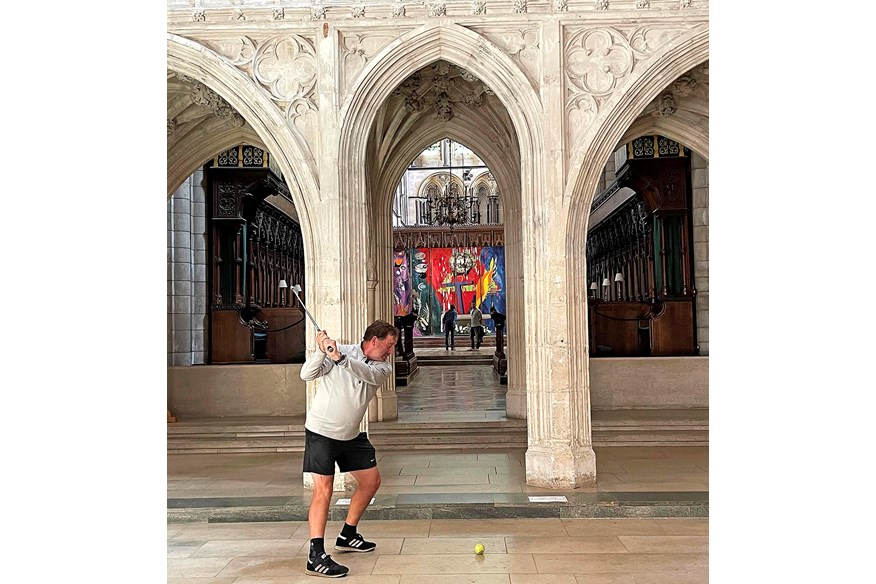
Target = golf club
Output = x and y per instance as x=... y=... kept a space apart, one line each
x=295 y=290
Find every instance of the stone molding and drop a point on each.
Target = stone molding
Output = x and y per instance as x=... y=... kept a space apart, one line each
x=255 y=11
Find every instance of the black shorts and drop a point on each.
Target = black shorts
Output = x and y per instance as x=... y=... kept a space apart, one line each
x=321 y=453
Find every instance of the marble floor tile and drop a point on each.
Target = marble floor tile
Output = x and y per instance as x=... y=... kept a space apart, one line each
x=372 y=529
x=425 y=489
x=543 y=579
x=452 y=545
x=497 y=527
x=196 y=567
x=683 y=526
x=455 y=579
x=677 y=544
x=608 y=527
x=302 y=578
x=596 y=563
x=385 y=545
x=686 y=577
x=273 y=567
x=251 y=548
x=455 y=564
x=204 y=532
x=201 y=580
x=480 y=478
x=388 y=481
x=518 y=544
x=182 y=551
x=607 y=578
x=461 y=469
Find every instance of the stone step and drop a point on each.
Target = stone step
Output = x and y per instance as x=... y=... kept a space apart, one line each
x=452 y=360
x=610 y=428
x=433 y=506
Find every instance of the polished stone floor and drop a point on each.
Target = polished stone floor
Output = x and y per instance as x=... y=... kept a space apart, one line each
x=452 y=393
x=518 y=551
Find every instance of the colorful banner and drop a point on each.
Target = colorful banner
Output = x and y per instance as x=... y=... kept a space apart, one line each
x=429 y=280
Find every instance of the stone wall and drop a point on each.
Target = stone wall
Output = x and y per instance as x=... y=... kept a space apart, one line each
x=212 y=391
x=649 y=382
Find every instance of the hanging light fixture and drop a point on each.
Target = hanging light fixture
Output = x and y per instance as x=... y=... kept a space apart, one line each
x=448 y=206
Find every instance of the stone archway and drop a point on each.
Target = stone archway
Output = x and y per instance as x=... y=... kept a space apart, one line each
x=621 y=111
x=392 y=65
x=198 y=62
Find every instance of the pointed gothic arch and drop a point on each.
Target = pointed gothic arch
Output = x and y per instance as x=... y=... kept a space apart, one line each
x=389 y=68
x=621 y=110
x=194 y=60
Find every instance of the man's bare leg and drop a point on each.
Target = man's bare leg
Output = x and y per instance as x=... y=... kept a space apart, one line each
x=319 y=505
x=369 y=482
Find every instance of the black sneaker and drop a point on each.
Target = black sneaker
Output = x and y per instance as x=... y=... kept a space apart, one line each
x=323 y=565
x=355 y=543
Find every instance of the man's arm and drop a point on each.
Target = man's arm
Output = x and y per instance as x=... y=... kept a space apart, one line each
x=374 y=373
x=317 y=365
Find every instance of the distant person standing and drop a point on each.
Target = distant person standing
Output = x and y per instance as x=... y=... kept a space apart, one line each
x=448 y=321
x=477 y=327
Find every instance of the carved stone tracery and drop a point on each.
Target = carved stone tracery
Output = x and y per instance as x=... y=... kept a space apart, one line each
x=440 y=87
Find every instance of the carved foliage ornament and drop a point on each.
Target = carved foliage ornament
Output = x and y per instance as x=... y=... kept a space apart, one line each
x=478 y=7
x=204 y=96
x=443 y=86
x=520 y=6
x=437 y=9
x=398 y=10
x=561 y=5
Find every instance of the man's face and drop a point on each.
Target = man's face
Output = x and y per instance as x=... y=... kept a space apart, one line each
x=380 y=349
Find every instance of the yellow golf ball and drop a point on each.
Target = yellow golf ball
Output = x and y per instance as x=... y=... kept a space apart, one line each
x=479 y=549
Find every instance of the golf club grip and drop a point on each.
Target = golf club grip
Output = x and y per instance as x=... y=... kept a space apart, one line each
x=313 y=320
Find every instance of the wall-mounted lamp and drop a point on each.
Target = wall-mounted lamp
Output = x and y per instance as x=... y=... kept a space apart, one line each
x=619 y=282
x=593 y=288
x=605 y=285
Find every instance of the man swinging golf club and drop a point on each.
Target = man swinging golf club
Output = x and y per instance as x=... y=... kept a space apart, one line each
x=351 y=376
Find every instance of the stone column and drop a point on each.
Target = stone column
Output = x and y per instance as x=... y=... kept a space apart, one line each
x=560 y=454
x=515 y=330
x=700 y=172
x=186 y=265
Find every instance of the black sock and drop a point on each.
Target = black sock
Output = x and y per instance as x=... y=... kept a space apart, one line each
x=348 y=530
x=317 y=547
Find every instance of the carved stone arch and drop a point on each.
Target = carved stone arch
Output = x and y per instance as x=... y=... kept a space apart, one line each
x=205 y=65
x=622 y=109
x=438 y=40
x=434 y=179
x=617 y=115
x=506 y=176
x=191 y=153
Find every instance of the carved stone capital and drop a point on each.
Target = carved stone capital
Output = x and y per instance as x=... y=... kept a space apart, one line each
x=436 y=9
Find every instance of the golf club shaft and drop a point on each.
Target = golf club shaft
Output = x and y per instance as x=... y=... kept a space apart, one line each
x=313 y=320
